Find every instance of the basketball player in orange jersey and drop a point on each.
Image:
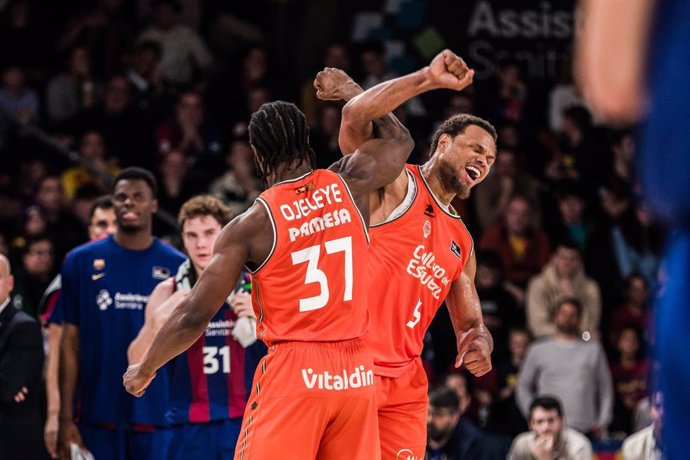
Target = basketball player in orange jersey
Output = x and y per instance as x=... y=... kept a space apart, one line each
x=305 y=241
x=421 y=254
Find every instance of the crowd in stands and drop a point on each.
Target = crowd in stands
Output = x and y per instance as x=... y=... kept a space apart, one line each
x=568 y=254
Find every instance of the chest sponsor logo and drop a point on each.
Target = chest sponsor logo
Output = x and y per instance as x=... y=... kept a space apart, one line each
x=455 y=249
x=160 y=273
x=406 y=454
x=344 y=380
x=431 y=274
x=121 y=301
x=220 y=328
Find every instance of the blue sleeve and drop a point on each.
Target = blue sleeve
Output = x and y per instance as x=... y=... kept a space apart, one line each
x=68 y=303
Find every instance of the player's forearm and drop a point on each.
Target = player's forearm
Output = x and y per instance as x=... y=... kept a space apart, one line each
x=385 y=97
x=179 y=332
x=69 y=370
x=52 y=370
x=140 y=345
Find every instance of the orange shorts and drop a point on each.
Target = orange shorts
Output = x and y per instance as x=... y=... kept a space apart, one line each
x=312 y=400
x=402 y=407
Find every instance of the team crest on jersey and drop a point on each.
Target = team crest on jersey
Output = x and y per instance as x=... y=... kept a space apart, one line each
x=455 y=249
x=429 y=210
x=103 y=300
x=98 y=264
x=160 y=273
x=427 y=229
x=305 y=188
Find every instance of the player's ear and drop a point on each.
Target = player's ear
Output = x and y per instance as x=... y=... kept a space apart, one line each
x=444 y=141
x=154 y=205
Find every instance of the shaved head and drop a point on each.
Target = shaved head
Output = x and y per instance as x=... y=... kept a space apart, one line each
x=6 y=279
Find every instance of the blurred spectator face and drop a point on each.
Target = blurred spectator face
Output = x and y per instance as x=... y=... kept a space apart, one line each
x=441 y=422
x=35 y=221
x=374 y=63
x=458 y=383
x=190 y=109
x=518 y=215
x=567 y=319
x=198 y=236
x=166 y=16
x=240 y=158
x=487 y=277
x=146 y=61
x=567 y=261
x=13 y=79
x=103 y=223
x=92 y=146
x=546 y=423
x=174 y=166
x=506 y=163
x=330 y=120
x=509 y=135
x=337 y=56
x=254 y=64
x=517 y=344
x=4 y=250
x=50 y=195
x=637 y=290
x=6 y=280
x=625 y=149
x=32 y=172
x=571 y=208
x=459 y=103
x=38 y=259
x=628 y=342
x=509 y=75
x=134 y=205
x=257 y=97
x=117 y=95
x=79 y=62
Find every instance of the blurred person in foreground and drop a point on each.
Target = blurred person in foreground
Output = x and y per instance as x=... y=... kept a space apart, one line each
x=647 y=443
x=633 y=59
x=549 y=437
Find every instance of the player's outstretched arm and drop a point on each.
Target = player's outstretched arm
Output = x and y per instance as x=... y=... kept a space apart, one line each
x=68 y=433
x=446 y=70
x=153 y=321
x=189 y=320
x=474 y=340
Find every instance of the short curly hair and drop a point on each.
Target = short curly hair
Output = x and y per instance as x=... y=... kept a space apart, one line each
x=204 y=205
x=457 y=124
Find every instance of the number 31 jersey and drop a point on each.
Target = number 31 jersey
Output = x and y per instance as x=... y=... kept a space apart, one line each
x=414 y=259
x=312 y=287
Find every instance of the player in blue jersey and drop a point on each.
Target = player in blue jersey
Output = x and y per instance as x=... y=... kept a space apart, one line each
x=208 y=382
x=105 y=287
x=627 y=45
x=101 y=224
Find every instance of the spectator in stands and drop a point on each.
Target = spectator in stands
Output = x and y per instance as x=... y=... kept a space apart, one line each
x=633 y=311
x=549 y=436
x=16 y=97
x=450 y=434
x=21 y=363
x=563 y=277
x=34 y=274
x=510 y=419
x=22 y=36
x=336 y=55
x=185 y=56
x=72 y=90
x=646 y=444
x=618 y=186
x=511 y=93
x=630 y=372
x=174 y=181
x=188 y=131
x=144 y=76
x=506 y=180
x=94 y=168
x=239 y=186
x=570 y=222
x=324 y=135
x=499 y=308
x=524 y=249
x=571 y=369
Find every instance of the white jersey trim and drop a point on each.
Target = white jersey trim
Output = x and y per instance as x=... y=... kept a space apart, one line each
x=275 y=236
x=443 y=207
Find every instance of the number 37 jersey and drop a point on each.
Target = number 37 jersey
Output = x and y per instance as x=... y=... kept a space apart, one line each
x=312 y=287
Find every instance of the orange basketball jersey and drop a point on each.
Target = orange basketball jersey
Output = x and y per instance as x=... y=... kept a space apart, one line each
x=414 y=259
x=313 y=286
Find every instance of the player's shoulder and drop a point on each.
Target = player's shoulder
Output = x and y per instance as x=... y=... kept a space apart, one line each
x=89 y=249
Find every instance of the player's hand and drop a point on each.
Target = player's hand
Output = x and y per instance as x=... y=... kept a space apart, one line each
x=242 y=305
x=50 y=435
x=165 y=309
x=543 y=446
x=135 y=381
x=474 y=352
x=331 y=84
x=448 y=70
x=68 y=434
x=21 y=395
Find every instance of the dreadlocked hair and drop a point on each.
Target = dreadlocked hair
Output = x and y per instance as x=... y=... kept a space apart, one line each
x=279 y=133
